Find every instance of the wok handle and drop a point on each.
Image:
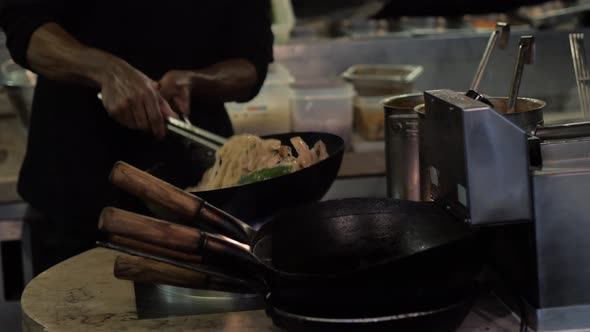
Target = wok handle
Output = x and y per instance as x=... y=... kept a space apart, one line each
x=564 y=131
x=178 y=201
x=145 y=270
x=153 y=249
x=150 y=230
x=220 y=252
x=149 y=271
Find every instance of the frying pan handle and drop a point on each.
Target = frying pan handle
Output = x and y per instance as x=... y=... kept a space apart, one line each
x=178 y=201
x=153 y=249
x=146 y=270
x=176 y=237
x=565 y=131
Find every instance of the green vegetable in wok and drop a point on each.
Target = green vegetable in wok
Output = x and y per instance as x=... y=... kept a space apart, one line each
x=265 y=174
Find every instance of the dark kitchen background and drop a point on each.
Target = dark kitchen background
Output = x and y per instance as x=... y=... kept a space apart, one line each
x=316 y=40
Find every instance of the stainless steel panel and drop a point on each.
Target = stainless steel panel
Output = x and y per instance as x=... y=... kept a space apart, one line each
x=478 y=160
x=562 y=232
x=570 y=318
x=566 y=153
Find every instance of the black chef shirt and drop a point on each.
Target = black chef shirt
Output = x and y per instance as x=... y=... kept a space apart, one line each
x=73 y=143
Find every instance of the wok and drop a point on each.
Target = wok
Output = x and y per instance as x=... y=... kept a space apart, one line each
x=411 y=248
x=443 y=315
x=410 y=270
x=260 y=200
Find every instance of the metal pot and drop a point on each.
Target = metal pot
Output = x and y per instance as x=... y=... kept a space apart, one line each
x=402 y=146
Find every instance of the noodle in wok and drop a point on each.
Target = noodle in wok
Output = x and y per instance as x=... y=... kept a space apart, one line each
x=248 y=158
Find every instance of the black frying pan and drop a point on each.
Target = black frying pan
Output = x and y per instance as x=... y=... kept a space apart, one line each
x=319 y=310
x=445 y=314
x=413 y=260
x=258 y=201
x=369 y=243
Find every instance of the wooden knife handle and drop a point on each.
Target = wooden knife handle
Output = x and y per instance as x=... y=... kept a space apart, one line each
x=149 y=271
x=153 y=249
x=179 y=202
x=211 y=248
x=146 y=229
x=152 y=189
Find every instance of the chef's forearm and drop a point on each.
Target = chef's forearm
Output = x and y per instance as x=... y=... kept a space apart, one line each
x=230 y=80
x=56 y=54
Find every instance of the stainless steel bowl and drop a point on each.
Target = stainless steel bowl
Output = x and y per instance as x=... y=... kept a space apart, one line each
x=528 y=114
x=19 y=84
x=382 y=79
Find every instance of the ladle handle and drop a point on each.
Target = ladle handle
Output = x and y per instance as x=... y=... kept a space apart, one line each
x=525 y=56
x=501 y=33
x=178 y=201
x=564 y=131
x=172 y=236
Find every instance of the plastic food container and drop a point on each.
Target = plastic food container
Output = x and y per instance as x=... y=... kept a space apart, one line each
x=283 y=20
x=382 y=80
x=369 y=120
x=269 y=113
x=323 y=107
x=19 y=84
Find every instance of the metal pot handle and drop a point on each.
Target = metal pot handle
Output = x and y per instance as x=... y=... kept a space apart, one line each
x=564 y=131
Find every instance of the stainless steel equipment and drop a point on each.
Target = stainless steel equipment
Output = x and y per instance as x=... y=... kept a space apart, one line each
x=581 y=71
x=402 y=158
x=482 y=170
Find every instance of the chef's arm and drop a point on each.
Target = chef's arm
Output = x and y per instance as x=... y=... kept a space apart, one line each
x=57 y=55
x=242 y=68
x=37 y=40
x=229 y=80
x=129 y=96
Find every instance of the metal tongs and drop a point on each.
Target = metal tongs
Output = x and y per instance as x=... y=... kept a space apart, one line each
x=202 y=143
x=501 y=37
x=185 y=129
x=526 y=56
x=581 y=71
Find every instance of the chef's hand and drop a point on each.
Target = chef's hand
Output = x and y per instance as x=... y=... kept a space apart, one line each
x=132 y=99
x=175 y=87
